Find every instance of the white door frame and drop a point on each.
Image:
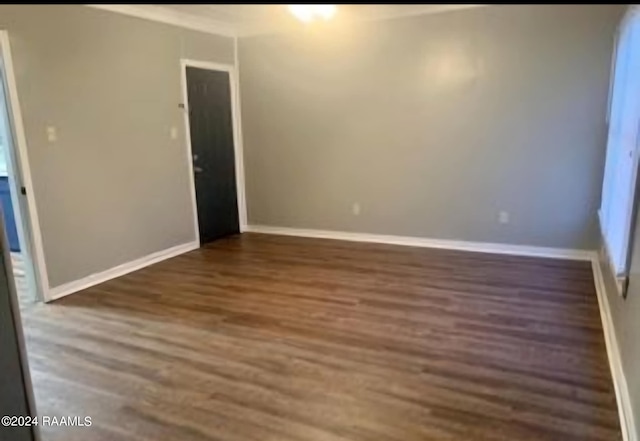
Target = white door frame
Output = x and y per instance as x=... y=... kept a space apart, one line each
x=25 y=211
x=237 y=137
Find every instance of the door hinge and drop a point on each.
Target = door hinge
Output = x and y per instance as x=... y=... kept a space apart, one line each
x=23 y=191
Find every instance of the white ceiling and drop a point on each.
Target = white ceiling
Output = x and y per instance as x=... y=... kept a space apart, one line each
x=242 y=20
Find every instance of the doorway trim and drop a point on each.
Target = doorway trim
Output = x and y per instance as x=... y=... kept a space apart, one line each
x=28 y=223
x=237 y=137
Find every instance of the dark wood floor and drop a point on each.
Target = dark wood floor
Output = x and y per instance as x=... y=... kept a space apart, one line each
x=273 y=338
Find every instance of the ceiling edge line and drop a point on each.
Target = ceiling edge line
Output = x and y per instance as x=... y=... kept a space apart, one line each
x=167 y=17
x=428 y=10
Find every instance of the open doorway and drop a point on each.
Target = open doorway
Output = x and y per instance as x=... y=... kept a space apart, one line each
x=13 y=191
x=25 y=293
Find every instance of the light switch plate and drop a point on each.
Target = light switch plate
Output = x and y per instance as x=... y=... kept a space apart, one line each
x=52 y=135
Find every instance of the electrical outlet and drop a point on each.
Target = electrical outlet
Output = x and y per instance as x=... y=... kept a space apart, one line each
x=174 y=133
x=503 y=217
x=355 y=209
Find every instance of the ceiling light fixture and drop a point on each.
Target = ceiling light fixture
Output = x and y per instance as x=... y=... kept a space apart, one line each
x=308 y=13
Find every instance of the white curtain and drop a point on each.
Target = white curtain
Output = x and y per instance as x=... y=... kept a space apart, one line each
x=619 y=183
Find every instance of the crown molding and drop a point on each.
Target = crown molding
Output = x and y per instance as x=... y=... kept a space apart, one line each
x=415 y=10
x=423 y=10
x=209 y=25
x=164 y=15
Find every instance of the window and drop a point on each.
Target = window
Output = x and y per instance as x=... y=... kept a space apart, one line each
x=619 y=183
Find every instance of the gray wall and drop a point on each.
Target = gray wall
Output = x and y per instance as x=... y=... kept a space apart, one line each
x=115 y=186
x=433 y=124
x=625 y=315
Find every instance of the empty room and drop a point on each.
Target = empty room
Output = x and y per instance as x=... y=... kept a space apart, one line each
x=319 y=222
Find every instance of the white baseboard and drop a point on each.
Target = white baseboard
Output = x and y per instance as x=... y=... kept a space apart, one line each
x=623 y=399
x=120 y=270
x=481 y=247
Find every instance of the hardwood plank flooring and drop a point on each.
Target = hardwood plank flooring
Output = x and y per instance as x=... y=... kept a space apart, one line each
x=261 y=337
